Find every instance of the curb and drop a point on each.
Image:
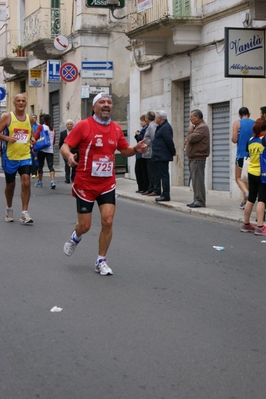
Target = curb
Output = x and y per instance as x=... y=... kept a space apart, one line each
x=180 y=207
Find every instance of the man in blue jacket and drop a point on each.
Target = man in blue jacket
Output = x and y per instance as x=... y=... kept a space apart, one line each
x=163 y=151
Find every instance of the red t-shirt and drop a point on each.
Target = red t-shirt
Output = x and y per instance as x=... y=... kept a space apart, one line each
x=96 y=145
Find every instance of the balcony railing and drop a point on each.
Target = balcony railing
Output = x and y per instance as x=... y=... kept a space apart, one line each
x=44 y=23
x=136 y=20
x=9 y=41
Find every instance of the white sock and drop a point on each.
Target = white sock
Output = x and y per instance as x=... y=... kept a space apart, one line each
x=74 y=236
x=100 y=258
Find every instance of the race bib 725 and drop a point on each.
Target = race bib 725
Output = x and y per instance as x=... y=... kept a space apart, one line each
x=102 y=166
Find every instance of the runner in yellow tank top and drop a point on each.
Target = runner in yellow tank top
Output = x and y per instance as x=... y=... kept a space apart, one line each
x=17 y=134
x=21 y=131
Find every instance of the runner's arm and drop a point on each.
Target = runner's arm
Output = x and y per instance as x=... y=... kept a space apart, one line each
x=67 y=154
x=235 y=130
x=4 y=122
x=141 y=148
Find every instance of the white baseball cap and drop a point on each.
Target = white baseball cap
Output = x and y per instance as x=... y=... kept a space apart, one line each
x=100 y=95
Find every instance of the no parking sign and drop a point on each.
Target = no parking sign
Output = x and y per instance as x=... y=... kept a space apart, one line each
x=69 y=72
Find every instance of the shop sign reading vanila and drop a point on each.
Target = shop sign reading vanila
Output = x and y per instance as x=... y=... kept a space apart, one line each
x=244 y=53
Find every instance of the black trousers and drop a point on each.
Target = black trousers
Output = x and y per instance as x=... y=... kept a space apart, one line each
x=68 y=170
x=163 y=169
x=141 y=173
x=154 y=177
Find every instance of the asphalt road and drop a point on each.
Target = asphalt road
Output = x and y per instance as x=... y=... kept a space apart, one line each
x=177 y=320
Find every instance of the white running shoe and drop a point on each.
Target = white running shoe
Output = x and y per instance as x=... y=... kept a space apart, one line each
x=70 y=246
x=9 y=215
x=25 y=218
x=102 y=268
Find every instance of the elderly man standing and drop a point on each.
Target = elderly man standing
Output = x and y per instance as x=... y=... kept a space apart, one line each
x=197 y=149
x=63 y=136
x=163 y=151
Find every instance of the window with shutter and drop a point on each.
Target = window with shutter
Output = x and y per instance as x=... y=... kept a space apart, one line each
x=181 y=8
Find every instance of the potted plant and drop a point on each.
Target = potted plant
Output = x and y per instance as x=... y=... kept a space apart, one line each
x=19 y=50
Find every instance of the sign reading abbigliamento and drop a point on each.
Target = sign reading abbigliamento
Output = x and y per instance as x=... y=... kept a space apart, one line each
x=244 y=53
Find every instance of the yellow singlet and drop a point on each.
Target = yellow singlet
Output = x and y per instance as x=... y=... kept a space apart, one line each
x=20 y=149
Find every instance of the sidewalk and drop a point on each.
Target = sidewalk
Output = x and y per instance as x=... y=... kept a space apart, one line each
x=219 y=205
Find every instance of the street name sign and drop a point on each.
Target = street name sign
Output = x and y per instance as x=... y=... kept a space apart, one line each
x=97 y=69
x=99 y=89
x=103 y=3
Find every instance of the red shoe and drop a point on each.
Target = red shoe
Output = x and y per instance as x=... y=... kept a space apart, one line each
x=247 y=228
x=260 y=231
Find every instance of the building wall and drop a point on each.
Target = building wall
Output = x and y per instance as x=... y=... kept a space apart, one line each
x=93 y=35
x=161 y=88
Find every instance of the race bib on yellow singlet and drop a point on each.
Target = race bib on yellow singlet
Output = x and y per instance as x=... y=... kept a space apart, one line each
x=21 y=135
x=102 y=166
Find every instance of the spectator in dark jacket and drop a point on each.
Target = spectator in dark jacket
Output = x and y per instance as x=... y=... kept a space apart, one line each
x=163 y=151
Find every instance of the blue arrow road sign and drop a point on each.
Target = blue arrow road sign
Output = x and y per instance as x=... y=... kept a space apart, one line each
x=96 y=65
x=2 y=93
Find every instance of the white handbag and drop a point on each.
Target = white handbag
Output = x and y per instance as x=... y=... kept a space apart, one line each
x=244 y=173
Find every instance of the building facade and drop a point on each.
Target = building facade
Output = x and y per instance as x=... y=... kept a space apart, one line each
x=177 y=50
x=152 y=54
x=41 y=37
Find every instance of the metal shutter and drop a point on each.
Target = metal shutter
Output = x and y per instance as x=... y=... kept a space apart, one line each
x=186 y=125
x=221 y=146
x=55 y=113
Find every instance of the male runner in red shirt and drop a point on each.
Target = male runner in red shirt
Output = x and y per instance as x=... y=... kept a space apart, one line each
x=97 y=139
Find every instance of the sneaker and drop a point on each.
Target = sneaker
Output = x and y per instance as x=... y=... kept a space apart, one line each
x=25 y=218
x=247 y=228
x=53 y=185
x=38 y=184
x=260 y=231
x=70 y=245
x=33 y=176
x=9 y=215
x=102 y=268
x=242 y=205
